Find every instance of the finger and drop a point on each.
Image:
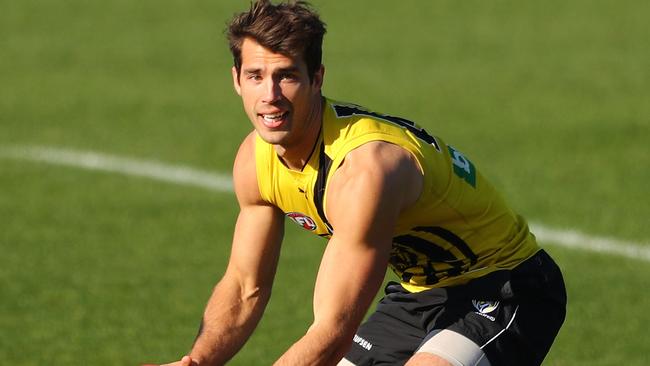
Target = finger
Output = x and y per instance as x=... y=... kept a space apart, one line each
x=186 y=361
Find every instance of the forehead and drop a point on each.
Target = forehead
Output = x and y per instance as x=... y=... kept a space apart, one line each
x=254 y=55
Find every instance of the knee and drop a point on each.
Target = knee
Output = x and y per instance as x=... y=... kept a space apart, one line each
x=345 y=362
x=427 y=359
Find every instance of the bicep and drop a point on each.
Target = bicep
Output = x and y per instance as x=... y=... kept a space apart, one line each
x=256 y=245
x=366 y=195
x=259 y=229
x=365 y=199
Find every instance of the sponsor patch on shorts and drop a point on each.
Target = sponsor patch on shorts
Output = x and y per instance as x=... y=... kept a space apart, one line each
x=485 y=307
x=362 y=342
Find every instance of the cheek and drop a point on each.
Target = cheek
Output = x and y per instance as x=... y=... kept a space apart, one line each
x=248 y=100
x=295 y=91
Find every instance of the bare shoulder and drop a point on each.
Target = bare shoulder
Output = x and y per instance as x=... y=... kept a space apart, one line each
x=381 y=170
x=382 y=161
x=244 y=172
x=383 y=155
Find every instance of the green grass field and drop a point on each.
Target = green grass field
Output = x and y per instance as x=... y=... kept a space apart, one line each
x=550 y=99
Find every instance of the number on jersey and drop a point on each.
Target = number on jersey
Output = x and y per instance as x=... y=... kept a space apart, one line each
x=463 y=167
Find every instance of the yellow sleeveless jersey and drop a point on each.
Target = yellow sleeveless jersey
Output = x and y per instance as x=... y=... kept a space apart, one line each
x=459 y=229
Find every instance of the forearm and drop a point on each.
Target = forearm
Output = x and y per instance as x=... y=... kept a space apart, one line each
x=229 y=319
x=319 y=346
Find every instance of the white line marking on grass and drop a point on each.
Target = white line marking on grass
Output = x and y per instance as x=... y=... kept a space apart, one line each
x=577 y=240
x=220 y=182
x=144 y=168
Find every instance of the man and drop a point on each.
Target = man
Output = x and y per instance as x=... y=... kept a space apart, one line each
x=475 y=289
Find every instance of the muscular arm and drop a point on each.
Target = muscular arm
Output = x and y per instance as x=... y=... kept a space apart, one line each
x=364 y=199
x=239 y=299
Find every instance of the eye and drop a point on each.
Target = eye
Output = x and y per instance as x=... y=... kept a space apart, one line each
x=253 y=76
x=287 y=76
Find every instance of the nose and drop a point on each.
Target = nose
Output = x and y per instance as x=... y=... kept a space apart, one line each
x=272 y=91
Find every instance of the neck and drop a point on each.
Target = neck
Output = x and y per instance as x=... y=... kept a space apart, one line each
x=297 y=156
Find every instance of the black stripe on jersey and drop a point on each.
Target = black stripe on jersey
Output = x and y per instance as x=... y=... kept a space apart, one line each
x=412 y=251
x=324 y=166
x=452 y=238
x=351 y=110
x=432 y=252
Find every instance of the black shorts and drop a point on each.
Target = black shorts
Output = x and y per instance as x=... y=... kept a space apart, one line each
x=512 y=315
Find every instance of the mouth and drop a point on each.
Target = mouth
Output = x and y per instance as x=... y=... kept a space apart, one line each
x=273 y=120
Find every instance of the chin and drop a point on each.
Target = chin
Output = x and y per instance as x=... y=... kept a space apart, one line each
x=273 y=137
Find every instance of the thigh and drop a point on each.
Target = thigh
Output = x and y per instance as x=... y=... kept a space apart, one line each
x=384 y=340
x=392 y=333
x=513 y=327
x=517 y=333
x=540 y=298
x=520 y=329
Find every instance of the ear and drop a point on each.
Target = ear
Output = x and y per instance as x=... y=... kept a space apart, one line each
x=317 y=80
x=235 y=80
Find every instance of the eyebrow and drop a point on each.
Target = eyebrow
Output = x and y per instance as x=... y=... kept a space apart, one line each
x=290 y=69
x=252 y=71
x=257 y=70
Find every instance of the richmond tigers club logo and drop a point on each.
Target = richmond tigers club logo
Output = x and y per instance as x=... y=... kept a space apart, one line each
x=303 y=220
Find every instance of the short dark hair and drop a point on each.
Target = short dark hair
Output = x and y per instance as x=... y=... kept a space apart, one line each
x=290 y=28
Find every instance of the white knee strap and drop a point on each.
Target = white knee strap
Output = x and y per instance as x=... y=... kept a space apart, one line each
x=455 y=348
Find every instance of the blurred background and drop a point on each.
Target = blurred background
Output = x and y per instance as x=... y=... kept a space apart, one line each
x=549 y=99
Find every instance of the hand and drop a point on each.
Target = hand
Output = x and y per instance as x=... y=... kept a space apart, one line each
x=185 y=361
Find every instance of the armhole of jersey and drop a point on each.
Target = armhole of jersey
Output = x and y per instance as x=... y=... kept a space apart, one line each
x=354 y=143
x=263 y=168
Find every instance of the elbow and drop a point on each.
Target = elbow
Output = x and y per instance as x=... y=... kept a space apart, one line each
x=247 y=289
x=241 y=292
x=260 y=294
x=339 y=337
x=342 y=345
x=345 y=341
